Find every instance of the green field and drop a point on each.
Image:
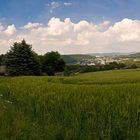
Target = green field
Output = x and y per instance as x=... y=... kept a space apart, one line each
x=91 y=106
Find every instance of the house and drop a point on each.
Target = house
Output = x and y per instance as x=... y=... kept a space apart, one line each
x=59 y=74
x=3 y=70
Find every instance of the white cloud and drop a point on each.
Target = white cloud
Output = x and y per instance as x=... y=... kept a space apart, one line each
x=125 y=30
x=1 y=27
x=53 y=5
x=67 y=4
x=32 y=25
x=11 y=29
x=69 y=37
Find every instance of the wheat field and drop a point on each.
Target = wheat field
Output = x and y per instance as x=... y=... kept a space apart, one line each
x=90 y=106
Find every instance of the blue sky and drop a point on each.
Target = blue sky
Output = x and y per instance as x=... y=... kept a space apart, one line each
x=71 y=26
x=22 y=11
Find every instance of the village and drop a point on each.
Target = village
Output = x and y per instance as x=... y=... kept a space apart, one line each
x=94 y=61
x=103 y=60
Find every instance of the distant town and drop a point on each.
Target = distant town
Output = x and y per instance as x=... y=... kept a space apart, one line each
x=102 y=59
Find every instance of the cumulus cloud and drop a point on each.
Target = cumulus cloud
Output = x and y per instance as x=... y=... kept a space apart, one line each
x=1 y=27
x=11 y=29
x=69 y=37
x=125 y=30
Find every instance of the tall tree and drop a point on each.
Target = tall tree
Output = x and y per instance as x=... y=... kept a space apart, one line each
x=52 y=63
x=22 y=60
x=1 y=59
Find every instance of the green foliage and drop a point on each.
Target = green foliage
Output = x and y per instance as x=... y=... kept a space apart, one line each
x=22 y=60
x=2 y=59
x=92 y=106
x=131 y=66
x=66 y=71
x=114 y=65
x=86 y=68
x=52 y=63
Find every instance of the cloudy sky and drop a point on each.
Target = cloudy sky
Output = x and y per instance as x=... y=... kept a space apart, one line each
x=71 y=26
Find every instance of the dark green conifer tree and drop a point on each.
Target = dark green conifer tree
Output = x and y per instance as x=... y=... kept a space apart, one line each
x=22 y=60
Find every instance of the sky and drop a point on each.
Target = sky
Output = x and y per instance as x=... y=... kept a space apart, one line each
x=71 y=26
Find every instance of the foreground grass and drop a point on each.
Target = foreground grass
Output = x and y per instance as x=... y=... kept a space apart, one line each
x=100 y=106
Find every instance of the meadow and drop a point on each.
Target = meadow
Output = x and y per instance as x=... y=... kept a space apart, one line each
x=91 y=106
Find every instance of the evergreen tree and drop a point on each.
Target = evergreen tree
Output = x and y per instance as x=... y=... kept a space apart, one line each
x=22 y=60
x=1 y=59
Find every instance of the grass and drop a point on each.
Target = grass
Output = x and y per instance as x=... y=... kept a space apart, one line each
x=92 y=106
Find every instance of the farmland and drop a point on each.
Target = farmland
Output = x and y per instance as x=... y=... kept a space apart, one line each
x=100 y=105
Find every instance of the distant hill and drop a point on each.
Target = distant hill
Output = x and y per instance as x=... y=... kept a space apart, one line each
x=85 y=58
x=69 y=59
x=135 y=55
x=109 y=54
x=131 y=55
x=76 y=58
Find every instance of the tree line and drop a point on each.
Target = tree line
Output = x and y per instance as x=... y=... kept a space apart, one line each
x=21 y=59
x=73 y=69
